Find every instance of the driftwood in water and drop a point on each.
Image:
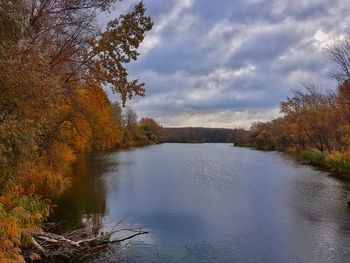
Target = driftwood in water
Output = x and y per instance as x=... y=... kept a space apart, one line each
x=77 y=243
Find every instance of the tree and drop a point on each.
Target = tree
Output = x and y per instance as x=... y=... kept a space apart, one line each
x=339 y=53
x=240 y=137
x=312 y=111
x=130 y=117
x=156 y=132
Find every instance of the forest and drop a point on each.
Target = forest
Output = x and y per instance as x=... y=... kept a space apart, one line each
x=55 y=65
x=315 y=121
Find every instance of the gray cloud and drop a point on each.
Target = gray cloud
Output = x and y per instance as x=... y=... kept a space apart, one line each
x=227 y=63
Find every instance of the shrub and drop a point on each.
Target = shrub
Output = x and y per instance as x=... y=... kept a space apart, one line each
x=314 y=158
x=20 y=215
x=338 y=162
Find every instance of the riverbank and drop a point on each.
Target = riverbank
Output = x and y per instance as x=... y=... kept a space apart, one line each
x=337 y=163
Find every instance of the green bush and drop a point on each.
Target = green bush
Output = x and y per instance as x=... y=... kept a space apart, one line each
x=339 y=165
x=314 y=158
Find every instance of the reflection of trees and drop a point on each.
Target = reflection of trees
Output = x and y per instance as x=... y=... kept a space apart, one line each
x=85 y=200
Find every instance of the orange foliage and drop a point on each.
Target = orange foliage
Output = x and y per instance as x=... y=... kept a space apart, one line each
x=40 y=179
x=53 y=65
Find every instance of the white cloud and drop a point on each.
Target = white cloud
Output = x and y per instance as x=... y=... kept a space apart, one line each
x=214 y=84
x=224 y=119
x=179 y=16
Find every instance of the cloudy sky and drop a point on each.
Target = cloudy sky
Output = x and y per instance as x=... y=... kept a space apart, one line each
x=228 y=63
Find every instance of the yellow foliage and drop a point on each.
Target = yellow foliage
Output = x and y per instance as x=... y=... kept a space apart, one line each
x=11 y=227
x=61 y=154
x=346 y=156
x=339 y=156
x=19 y=216
x=335 y=156
x=345 y=131
x=41 y=179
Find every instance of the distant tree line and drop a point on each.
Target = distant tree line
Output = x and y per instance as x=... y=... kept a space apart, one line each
x=200 y=135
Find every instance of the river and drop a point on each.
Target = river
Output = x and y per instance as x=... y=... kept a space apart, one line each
x=212 y=203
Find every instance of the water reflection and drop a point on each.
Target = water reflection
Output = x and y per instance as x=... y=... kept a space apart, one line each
x=85 y=201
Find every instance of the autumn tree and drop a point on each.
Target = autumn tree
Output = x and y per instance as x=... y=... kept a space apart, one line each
x=155 y=132
x=312 y=111
x=54 y=63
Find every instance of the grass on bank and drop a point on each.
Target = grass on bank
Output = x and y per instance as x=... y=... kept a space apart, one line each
x=337 y=163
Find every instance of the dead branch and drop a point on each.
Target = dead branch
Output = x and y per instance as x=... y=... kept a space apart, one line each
x=129 y=237
x=38 y=246
x=79 y=242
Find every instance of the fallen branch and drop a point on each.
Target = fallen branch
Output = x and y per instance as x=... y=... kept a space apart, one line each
x=140 y=232
x=78 y=242
x=53 y=238
x=38 y=246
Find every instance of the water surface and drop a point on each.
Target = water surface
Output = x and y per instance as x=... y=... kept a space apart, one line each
x=213 y=203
